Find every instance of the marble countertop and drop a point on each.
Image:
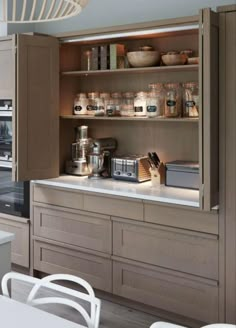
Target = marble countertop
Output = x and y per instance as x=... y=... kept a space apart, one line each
x=144 y=191
x=6 y=237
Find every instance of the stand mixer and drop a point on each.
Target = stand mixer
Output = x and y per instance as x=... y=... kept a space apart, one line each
x=80 y=149
x=99 y=159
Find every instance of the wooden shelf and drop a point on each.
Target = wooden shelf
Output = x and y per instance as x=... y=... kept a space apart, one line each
x=124 y=118
x=179 y=68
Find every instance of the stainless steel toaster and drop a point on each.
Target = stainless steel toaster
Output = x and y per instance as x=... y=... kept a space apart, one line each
x=131 y=168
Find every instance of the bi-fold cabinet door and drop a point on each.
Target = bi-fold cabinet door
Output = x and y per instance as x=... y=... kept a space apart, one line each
x=35 y=112
x=209 y=109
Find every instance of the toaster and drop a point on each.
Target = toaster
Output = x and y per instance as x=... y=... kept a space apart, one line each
x=130 y=168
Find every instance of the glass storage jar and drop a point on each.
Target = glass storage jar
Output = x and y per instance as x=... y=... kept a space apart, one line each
x=105 y=96
x=140 y=103
x=190 y=99
x=155 y=100
x=80 y=104
x=92 y=103
x=127 y=107
x=172 y=100
x=114 y=104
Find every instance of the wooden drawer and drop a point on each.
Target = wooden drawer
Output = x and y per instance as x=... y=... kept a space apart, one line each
x=20 y=244
x=82 y=229
x=58 y=197
x=182 y=218
x=123 y=207
x=49 y=258
x=177 y=249
x=186 y=295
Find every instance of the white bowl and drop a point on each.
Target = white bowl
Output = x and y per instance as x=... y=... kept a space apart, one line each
x=143 y=58
x=174 y=59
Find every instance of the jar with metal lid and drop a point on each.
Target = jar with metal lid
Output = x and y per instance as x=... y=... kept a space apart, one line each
x=140 y=103
x=114 y=104
x=155 y=100
x=80 y=104
x=190 y=99
x=172 y=100
x=127 y=107
x=92 y=103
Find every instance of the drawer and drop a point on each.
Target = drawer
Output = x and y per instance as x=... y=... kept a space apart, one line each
x=182 y=218
x=49 y=258
x=58 y=197
x=20 y=243
x=82 y=228
x=126 y=208
x=185 y=295
x=177 y=249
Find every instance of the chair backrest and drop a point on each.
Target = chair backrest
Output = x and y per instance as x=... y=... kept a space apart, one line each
x=92 y=319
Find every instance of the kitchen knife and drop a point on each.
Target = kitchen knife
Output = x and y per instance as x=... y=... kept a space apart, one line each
x=152 y=159
x=156 y=159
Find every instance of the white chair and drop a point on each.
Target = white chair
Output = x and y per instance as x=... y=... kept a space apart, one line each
x=92 y=319
x=161 y=324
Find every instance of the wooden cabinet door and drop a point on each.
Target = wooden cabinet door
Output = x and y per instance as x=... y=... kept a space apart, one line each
x=36 y=114
x=209 y=109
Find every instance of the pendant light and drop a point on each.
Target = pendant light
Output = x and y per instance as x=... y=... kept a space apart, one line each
x=36 y=11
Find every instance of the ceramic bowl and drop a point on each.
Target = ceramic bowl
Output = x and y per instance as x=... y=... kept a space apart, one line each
x=174 y=59
x=143 y=58
x=193 y=60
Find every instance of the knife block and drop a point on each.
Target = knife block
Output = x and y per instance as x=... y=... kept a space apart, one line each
x=157 y=175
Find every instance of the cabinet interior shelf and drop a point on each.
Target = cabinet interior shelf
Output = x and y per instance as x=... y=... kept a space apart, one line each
x=182 y=68
x=124 y=118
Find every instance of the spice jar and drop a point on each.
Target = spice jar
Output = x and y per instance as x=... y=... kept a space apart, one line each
x=140 y=103
x=80 y=104
x=114 y=104
x=172 y=100
x=127 y=107
x=190 y=99
x=155 y=100
x=92 y=103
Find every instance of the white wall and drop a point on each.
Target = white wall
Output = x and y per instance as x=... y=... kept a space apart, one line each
x=103 y=13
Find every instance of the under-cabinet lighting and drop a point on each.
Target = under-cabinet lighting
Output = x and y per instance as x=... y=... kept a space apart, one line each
x=113 y=35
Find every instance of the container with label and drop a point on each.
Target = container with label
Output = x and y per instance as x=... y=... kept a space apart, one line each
x=140 y=104
x=172 y=100
x=190 y=99
x=114 y=104
x=155 y=100
x=80 y=104
x=92 y=103
x=127 y=107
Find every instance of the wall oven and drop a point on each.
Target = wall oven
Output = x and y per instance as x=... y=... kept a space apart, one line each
x=14 y=196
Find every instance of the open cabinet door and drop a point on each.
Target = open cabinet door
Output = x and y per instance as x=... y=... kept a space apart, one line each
x=209 y=113
x=36 y=114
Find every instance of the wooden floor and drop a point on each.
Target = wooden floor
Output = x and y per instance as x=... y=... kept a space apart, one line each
x=112 y=315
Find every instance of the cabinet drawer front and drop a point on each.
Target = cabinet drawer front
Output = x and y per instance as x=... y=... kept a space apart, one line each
x=181 y=218
x=58 y=197
x=127 y=208
x=49 y=258
x=171 y=248
x=80 y=229
x=186 y=296
x=20 y=243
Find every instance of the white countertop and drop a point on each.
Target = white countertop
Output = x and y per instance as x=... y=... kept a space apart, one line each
x=6 y=237
x=144 y=191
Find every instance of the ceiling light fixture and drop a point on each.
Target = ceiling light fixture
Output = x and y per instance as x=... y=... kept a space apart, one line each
x=36 y=11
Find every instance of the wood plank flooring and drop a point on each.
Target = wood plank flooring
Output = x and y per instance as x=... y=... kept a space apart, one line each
x=112 y=315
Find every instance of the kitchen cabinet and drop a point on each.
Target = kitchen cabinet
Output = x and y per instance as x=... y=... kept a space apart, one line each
x=29 y=76
x=132 y=252
x=227 y=53
x=182 y=138
x=20 y=244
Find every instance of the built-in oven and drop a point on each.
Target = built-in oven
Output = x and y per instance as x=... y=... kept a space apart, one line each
x=14 y=196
